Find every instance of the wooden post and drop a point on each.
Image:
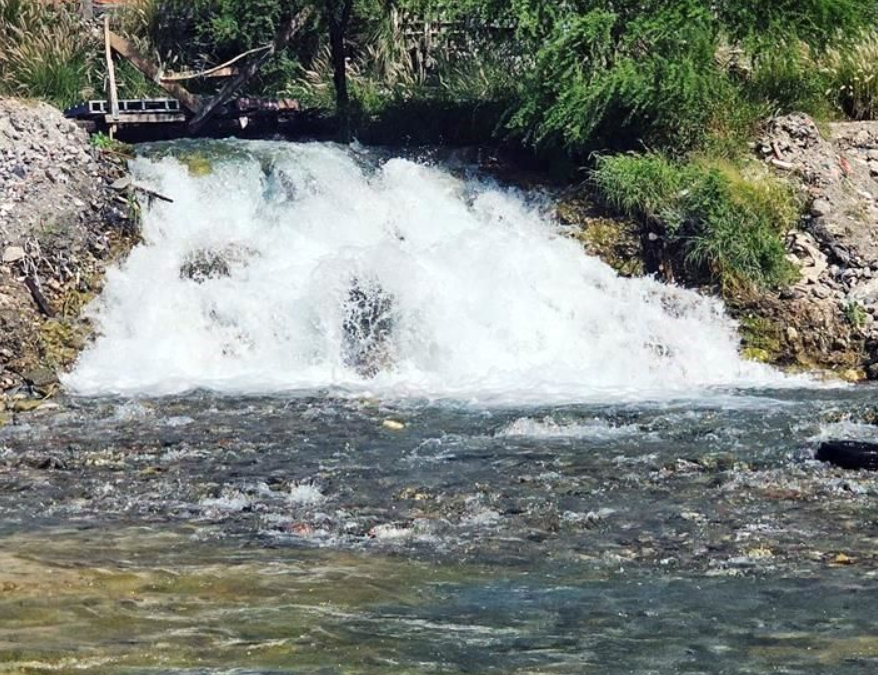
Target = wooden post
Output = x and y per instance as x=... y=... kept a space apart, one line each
x=153 y=72
x=111 y=77
x=284 y=35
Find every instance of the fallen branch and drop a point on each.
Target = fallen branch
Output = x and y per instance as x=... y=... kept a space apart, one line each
x=33 y=285
x=153 y=72
x=126 y=184
x=284 y=35
x=210 y=71
x=151 y=193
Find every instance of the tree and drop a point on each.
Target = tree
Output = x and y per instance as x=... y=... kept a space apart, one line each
x=338 y=16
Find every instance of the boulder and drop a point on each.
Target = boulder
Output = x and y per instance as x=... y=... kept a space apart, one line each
x=367 y=328
x=852 y=455
x=204 y=264
x=13 y=254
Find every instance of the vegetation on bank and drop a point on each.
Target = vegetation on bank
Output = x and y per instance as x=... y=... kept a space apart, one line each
x=685 y=83
x=726 y=222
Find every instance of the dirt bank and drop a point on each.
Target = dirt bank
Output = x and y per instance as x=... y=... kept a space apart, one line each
x=61 y=224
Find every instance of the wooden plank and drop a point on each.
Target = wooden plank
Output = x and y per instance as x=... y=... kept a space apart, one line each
x=147 y=118
x=284 y=35
x=111 y=72
x=153 y=72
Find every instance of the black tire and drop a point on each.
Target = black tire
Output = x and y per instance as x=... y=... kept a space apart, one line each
x=853 y=455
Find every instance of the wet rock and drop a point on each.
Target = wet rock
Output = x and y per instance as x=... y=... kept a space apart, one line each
x=48 y=463
x=203 y=265
x=41 y=378
x=851 y=455
x=367 y=328
x=23 y=405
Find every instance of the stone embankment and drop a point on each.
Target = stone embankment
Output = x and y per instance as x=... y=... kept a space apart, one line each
x=829 y=318
x=61 y=224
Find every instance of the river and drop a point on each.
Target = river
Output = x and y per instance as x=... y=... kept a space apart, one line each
x=546 y=469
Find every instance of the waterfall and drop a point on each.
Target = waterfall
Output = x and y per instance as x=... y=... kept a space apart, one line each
x=290 y=267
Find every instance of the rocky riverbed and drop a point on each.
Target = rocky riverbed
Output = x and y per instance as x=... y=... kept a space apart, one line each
x=294 y=534
x=61 y=224
x=335 y=529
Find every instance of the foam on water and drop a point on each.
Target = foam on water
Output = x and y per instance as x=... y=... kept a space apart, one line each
x=488 y=298
x=598 y=429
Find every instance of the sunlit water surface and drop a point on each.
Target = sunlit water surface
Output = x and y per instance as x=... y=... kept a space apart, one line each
x=301 y=534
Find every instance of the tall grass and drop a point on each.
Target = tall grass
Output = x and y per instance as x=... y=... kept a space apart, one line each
x=852 y=71
x=728 y=225
x=787 y=76
x=45 y=53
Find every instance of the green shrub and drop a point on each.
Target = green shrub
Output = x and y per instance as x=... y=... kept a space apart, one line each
x=787 y=77
x=652 y=77
x=855 y=314
x=817 y=22
x=731 y=235
x=647 y=187
x=728 y=226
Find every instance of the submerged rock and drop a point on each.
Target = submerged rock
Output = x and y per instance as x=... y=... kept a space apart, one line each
x=852 y=455
x=205 y=264
x=367 y=328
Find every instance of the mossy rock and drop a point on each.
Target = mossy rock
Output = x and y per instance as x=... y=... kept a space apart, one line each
x=197 y=163
x=74 y=302
x=616 y=242
x=756 y=354
x=575 y=211
x=854 y=375
x=61 y=340
x=25 y=405
x=762 y=339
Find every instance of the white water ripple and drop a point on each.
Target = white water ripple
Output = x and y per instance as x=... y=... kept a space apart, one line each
x=488 y=298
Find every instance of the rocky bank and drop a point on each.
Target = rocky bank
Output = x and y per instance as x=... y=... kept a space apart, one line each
x=61 y=224
x=828 y=319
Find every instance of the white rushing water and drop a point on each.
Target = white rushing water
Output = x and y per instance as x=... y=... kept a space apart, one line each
x=484 y=297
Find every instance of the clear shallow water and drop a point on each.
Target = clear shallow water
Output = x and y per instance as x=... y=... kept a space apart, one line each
x=210 y=534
